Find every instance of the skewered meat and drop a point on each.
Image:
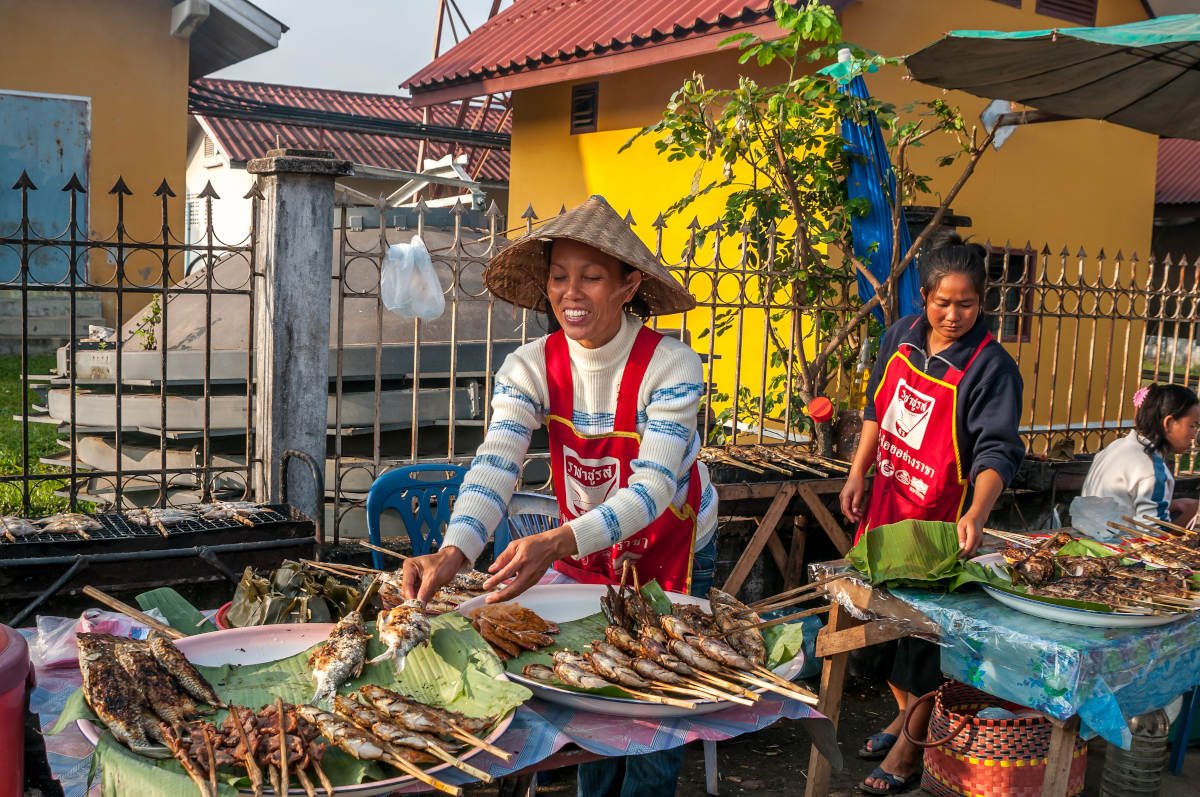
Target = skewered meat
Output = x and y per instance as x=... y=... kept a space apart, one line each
x=340 y=657
x=697 y=618
x=613 y=606
x=539 y=672
x=622 y=639
x=425 y=718
x=721 y=653
x=114 y=698
x=14 y=527
x=156 y=685
x=381 y=726
x=574 y=675
x=343 y=734
x=657 y=652
x=613 y=652
x=692 y=657
x=653 y=671
x=401 y=629
x=730 y=613
x=174 y=662
x=1086 y=565
x=613 y=671
x=155 y=517
x=677 y=628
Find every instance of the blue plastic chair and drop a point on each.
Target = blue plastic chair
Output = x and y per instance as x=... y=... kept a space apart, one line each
x=528 y=513
x=423 y=504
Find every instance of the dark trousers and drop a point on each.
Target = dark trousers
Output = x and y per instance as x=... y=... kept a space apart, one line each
x=653 y=773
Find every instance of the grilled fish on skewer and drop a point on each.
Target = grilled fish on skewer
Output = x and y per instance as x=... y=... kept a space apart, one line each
x=174 y=662
x=15 y=527
x=730 y=614
x=652 y=671
x=159 y=518
x=437 y=720
x=622 y=639
x=697 y=618
x=114 y=698
x=401 y=629
x=612 y=652
x=677 y=628
x=156 y=685
x=718 y=651
x=539 y=672
x=618 y=673
x=692 y=657
x=574 y=675
x=340 y=657
x=72 y=522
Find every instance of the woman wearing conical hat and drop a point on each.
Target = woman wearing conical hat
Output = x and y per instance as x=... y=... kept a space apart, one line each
x=620 y=403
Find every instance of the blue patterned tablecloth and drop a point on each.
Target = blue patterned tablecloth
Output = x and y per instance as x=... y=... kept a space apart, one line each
x=1102 y=674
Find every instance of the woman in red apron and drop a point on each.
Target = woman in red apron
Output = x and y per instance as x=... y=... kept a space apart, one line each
x=940 y=428
x=619 y=402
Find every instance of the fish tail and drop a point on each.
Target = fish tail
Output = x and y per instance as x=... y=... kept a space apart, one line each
x=387 y=654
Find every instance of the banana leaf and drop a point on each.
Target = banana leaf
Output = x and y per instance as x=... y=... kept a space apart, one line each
x=915 y=553
x=456 y=670
x=291 y=594
x=179 y=612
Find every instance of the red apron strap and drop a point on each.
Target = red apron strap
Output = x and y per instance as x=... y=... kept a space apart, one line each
x=955 y=376
x=631 y=380
x=558 y=376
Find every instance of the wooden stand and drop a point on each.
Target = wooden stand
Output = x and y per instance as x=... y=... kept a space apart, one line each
x=845 y=633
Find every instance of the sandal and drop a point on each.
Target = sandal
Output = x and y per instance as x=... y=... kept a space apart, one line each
x=877 y=746
x=895 y=783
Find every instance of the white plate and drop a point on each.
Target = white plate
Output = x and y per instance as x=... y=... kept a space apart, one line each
x=258 y=644
x=1067 y=614
x=560 y=603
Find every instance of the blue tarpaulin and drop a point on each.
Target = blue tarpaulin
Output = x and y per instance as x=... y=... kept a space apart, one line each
x=871 y=177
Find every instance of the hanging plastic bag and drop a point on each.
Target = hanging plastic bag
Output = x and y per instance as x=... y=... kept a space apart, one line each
x=408 y=283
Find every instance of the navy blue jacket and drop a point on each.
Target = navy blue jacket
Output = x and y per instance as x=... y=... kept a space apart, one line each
x=989 y=396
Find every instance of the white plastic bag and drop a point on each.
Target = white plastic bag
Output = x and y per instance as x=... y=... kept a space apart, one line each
x=56 y=646
x=408 y=284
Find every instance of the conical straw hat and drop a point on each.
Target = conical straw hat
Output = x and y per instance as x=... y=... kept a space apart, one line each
x=519 y=273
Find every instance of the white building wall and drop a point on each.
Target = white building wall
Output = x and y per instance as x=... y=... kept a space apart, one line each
x=231 y=213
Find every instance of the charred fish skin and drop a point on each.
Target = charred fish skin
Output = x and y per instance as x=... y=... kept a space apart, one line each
x=340 y=657
x=113 y=698
x=731 y=614
x=573 y=675
x=173 y=661
x=157 y=686
x=612 y=671
x=341 y=733
x=401 y=629
x=438 y=720
x=692 y=657
x=718 y=651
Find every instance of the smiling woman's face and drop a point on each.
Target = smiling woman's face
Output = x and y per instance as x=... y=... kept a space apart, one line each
x=587 y=290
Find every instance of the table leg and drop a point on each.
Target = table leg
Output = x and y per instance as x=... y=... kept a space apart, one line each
x=793 y=576
x=833 y=676
x=515 y=785
x=766 y=528
x=1060 y=757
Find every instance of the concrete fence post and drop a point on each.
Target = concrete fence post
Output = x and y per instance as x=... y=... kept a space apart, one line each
x=294 y=253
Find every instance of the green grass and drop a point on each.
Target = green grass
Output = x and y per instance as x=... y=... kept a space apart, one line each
x=42 y=443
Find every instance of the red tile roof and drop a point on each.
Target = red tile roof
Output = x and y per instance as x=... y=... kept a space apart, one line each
x=533 y=35
x=242 y=139
x=1178 y=172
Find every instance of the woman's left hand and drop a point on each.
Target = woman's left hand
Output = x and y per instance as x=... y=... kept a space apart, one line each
x=970 y=533
x=526 y=559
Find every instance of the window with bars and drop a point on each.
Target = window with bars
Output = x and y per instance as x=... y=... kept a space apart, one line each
x=1009 y=300
x=584 y=107
x=1082 y=12
x=195 y=210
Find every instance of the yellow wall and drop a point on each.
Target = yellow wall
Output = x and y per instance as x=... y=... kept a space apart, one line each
x=1079 y=183
x=120 y=53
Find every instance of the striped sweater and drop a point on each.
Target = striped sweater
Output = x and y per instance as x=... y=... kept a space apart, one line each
x=666 y=420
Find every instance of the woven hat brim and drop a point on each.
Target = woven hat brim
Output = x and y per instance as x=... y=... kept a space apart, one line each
x=518 y=273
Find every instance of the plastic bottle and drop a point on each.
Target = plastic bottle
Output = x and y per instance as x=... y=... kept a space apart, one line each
x=1138 y=770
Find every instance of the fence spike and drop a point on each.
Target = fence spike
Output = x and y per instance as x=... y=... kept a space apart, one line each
x=629 y=218
x=694 y=224
x=119 y=187
x=1120 y=255
x=745 y=228
x=255 y=191
x=1081 y=254
x=529 y=214
x=457 y=208
x=1046 y=249
x=562 y=209
x=1007 y=245
x=493 y=210
x=422 y=208
x=1099 y=256
x=209 y=192
x=74 y=185
x=163 y=189
x=24 y=182
x=1134 y=257
x=1029 y=248
x=659 y=223
x=1065 y=252
x=1166 y=261
x=380 y=202
x=1183 y=261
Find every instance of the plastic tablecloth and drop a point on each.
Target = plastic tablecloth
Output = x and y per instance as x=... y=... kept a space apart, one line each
x=1102 y=674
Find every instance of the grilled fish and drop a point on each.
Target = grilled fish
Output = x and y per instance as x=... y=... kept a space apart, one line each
x=573 y=675
x=383 y=726
x=14 y=527
x=652 y=671
x=622 y=639
x=613 y=652
x=692 y=657
x=730 y=613
x=611 y=670
x=401 y=629
x=114 y=697
x=174 y=662
x=71 y=522
x=719 y=652
x=420 y=717
x=156 y=685
x=340 y=657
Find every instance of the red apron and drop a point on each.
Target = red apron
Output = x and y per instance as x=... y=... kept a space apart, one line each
x=588 y=469
x=918 y=468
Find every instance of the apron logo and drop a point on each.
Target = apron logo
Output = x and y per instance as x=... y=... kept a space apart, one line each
x=907 y=415
x=589 y=482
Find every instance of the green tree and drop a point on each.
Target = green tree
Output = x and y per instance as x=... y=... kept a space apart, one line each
x=777 y=155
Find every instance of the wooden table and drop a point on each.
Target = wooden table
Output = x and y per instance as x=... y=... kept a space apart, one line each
x=805 y=495
x=844 y=633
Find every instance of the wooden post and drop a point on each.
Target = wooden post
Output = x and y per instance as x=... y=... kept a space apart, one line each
x=793 y=575
x=833 y=677
x=294 y=253
x=1060 y=756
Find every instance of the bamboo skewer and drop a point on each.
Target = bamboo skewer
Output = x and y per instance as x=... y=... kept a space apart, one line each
x=1166 y=543
x=1170 y=540
x=781 y=681
x=274 y=773
x=306 y=784
x=212 y=758
x=777 y=621
x=252 y=770
x=726 y=684
x=653 y=698
x=701 y=694
x=441 y=754
x=381 y=549
x=483 y=744
x=340 y=566
x=409 y=768
x=789 y=594
x=136 y=614
x=1184 y=530
x=770 y=686
x=325 y=783
x=177 y=750
x=283 y=748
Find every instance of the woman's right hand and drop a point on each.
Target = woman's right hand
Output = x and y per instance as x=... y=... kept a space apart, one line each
x=853 y=497
x=425 y=575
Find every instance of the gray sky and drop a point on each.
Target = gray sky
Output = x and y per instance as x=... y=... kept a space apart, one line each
x=352 y=45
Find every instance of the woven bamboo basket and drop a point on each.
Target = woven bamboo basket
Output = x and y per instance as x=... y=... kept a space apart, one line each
x=972 y=757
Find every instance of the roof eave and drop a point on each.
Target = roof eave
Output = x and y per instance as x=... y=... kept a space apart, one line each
x=234 y=31
x=599 y=66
